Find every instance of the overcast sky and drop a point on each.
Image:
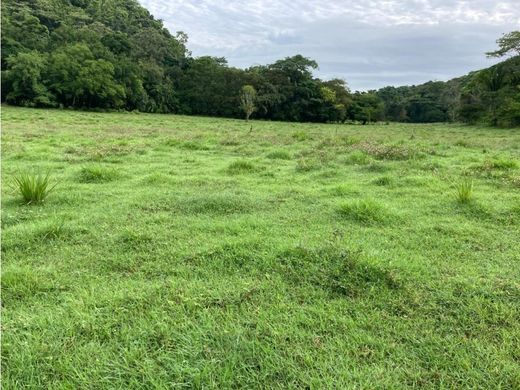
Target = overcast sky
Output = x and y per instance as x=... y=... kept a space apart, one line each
x=369 y=43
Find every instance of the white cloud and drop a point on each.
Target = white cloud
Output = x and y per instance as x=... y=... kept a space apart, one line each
x=411 y=40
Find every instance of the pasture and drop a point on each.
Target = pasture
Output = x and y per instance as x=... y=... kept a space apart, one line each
x=190 y=252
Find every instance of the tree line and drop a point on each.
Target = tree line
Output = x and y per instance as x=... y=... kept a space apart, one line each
x=113 y=54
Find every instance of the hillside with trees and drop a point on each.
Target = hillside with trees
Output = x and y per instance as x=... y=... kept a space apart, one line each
x=113 y=54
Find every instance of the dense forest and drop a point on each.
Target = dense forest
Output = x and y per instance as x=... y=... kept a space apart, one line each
x=112 y=54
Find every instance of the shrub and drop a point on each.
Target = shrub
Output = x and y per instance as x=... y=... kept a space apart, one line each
x=464 y=191
x=34 y=188
x=365 y=211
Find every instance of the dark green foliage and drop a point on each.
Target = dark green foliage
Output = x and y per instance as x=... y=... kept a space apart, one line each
x=88 y=54
x=24 y=80
x=113 y=54
x=366 y=108
x=490 y=96
x=430 y=102
x=209 y=87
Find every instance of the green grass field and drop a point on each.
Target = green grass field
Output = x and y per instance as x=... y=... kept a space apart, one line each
x=185 y=252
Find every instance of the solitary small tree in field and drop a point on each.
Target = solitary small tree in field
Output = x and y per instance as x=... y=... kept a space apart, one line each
x=247 y=100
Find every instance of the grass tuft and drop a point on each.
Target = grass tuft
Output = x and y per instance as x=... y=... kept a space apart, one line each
x=192 y=145
x=342 y=190
x=358 y=157
x=279 y=155
x=377 y=167
x=97 y=174
x=364 y=211
x=19 y=284
x=337 y=271
x=306 y=164
x=215 y=204
x=464 y=191
x=34 y=188
x=51 y=231
x=240 y=166
x=383 y=181
x=301 y=136
x=499 y=164
x=503 y=164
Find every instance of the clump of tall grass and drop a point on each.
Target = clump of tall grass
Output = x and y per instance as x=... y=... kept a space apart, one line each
x=383 y=181
x=503 y=164
x=279 y=155
x=365 y=211
x=215 y=204
x=377 y=167
x=306 y=165
x=358 y=157
x=192 y=145
x=301 y=136
x=96 y=174
x=337 y=271
x=51 y=231
x=240 y=166
x=500 y=164
x=34 y=188
x=464 y=190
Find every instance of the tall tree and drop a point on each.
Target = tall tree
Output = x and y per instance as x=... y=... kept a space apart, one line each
x=247 y=100
x=24 y=80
